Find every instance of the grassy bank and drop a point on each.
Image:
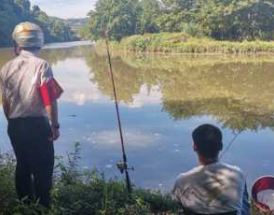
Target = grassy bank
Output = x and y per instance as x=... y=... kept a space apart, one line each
x=85 y=193
x=183 y=43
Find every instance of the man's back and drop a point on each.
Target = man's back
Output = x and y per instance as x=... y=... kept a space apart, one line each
x=211 y=189
x=21 y=79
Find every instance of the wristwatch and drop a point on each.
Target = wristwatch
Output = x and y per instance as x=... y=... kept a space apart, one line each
x=56 y=126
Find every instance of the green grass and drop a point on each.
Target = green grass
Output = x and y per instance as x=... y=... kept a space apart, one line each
x=82 y=192
x=183 y=43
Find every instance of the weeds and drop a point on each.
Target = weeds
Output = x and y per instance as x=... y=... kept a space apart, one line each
x=184 y=43
x=81 y=192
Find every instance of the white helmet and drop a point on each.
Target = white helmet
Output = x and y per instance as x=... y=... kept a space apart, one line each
x=28 y=35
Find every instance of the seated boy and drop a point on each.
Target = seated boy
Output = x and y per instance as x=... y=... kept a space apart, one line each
x=212 y=187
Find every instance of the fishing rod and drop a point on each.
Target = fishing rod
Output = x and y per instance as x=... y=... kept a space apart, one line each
x=230 y=144
x=122 y=165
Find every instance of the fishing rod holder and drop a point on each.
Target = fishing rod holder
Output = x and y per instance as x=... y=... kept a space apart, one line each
x=123 y=166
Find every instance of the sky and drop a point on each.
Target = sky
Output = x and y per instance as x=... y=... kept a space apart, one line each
x=65 y=8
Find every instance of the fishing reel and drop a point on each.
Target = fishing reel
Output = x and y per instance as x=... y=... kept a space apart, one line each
x=123 y=167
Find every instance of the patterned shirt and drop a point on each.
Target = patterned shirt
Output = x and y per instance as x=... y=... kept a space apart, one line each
x=28 y=85
x=212 y=189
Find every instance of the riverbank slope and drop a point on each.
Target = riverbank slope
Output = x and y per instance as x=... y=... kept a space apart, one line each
x=84 y=192
x=183 y=43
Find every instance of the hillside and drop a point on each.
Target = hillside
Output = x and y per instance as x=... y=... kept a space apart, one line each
x=13 y=12
x=77 y=24
x=218 y=19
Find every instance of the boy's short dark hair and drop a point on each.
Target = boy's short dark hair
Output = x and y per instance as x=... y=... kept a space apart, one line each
x=208 y=140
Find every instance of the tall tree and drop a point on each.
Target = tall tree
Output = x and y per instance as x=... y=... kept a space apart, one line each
x=118 y=17
x=150 y=11
x=219 y=19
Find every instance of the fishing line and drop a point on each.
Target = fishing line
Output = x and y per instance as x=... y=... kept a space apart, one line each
x=122 y=165
x=230 y=144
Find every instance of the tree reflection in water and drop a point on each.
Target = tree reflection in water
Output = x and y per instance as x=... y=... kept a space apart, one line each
x=237 y=91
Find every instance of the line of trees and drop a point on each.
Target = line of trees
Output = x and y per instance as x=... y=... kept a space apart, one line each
x=13 y=12
x=219 y=19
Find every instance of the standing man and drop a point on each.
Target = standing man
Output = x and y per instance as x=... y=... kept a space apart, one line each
x=212 y=187
x=29 y=97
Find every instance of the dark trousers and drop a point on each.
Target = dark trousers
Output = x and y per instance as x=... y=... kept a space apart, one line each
x=35 y=158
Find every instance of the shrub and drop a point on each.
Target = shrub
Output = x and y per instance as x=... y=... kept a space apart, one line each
x=189 y=43
x=81 y=192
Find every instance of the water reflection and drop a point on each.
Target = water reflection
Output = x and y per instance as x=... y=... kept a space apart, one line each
x=163 y=99
x=237 y=93
x=55 y=55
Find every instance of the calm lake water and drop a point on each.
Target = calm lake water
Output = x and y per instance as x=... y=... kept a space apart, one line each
x=163 y=98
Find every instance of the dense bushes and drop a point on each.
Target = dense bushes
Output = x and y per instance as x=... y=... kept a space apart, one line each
x=85 y=193
x=222 y=20
x=183 y=43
